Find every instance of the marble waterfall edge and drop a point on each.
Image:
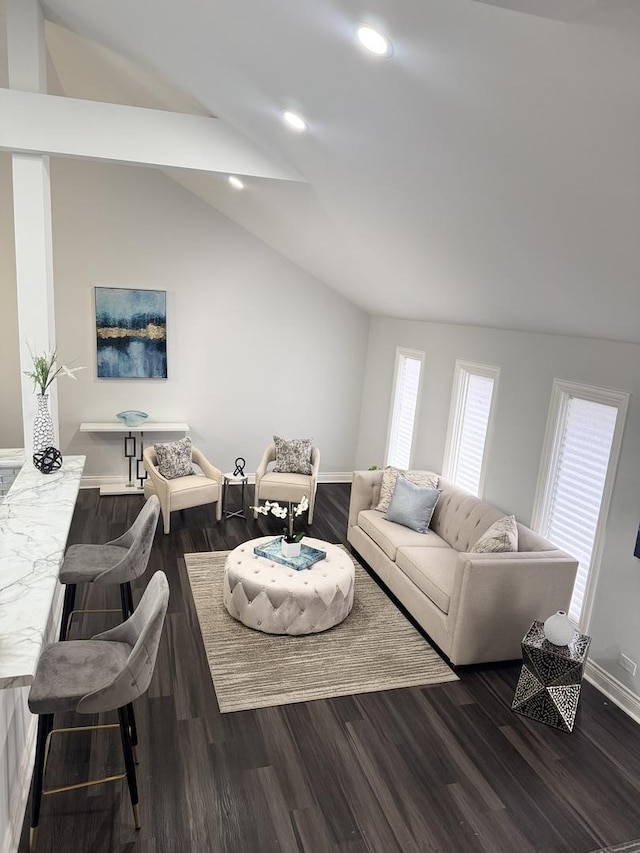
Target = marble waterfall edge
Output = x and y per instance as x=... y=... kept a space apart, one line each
x=35 y=517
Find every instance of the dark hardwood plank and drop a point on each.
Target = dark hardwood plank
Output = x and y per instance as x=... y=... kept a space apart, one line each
x=445 y=769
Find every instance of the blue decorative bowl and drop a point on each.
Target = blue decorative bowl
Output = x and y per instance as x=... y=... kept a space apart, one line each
x=132 y=418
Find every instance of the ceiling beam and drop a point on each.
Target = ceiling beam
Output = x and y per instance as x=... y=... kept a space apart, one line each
x=69 y=127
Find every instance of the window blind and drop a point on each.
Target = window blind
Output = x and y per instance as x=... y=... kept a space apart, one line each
x=577 y=485
x=468 y=452
x=404 y=412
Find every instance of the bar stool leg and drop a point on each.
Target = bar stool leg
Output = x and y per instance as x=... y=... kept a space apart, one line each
x=130 y=598
x=124 y=601
x=45 y=724
x=128 y=763
x=134 y=732
x=67 y=609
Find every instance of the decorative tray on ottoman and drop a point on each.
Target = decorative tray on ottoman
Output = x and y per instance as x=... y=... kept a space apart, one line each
x=273 y=551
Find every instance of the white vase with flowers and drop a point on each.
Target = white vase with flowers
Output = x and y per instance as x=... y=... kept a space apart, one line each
x=291 y=541
x=43 y=374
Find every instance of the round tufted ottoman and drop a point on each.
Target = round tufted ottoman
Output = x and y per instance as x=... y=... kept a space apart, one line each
x=275 y=599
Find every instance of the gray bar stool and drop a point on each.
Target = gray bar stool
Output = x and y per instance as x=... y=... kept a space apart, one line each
x=117 y=562
x=105 y=673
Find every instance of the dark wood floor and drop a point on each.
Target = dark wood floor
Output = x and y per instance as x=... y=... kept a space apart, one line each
x=446 y=769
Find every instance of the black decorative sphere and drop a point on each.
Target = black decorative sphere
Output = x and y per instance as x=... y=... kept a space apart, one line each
x=240 y=463
x=47 y=460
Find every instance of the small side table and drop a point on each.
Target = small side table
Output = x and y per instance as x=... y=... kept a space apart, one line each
x=549 y=686
x=231 y=479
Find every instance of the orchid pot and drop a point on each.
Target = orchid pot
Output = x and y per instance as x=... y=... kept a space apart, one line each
x=291 y=549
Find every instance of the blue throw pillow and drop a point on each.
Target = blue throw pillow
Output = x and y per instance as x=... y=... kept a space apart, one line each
x=411 y=505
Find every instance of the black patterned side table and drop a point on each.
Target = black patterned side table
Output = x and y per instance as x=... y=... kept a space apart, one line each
x=551 y=677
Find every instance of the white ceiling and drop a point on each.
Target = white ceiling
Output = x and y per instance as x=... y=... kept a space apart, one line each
x=487 y=173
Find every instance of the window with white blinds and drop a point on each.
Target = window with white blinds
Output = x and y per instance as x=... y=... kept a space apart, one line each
x=471 y=406
x=579 y=460
x=404 y=406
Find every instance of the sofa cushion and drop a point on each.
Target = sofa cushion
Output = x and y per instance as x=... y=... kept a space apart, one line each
x=190 y=491
x=461 y=518
x=390 y=536
x=412 y=505
x=501 y=536
x=389 y=476
x=285 y=487
x=432 y=570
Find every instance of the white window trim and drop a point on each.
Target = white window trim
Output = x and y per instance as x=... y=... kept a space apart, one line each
x=458 y=398
x=561 y=391
x=403 y=352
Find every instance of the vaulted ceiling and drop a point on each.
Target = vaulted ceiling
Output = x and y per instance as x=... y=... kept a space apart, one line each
x=488 y=172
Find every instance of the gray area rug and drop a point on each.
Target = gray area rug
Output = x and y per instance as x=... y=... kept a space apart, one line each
x=625 y=847
x=375 y=648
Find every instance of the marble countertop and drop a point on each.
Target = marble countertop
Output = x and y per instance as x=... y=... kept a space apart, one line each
x=35 y=517
x=13 y=457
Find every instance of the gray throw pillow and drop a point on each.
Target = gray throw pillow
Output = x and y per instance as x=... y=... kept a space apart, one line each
x=293 y=456
x=174 y=458
x=388 y=484
x=411 y=505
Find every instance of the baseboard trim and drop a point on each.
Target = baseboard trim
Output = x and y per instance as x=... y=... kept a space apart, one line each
x=112 y=483
x=335 y=477
x=613 y=689
x=98 y=482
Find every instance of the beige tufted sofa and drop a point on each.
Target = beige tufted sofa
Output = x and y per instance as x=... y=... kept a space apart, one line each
x=475 y=607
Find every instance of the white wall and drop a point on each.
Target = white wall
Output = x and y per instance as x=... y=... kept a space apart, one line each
x=529 y=363
x=10 y=399
x=255 y=345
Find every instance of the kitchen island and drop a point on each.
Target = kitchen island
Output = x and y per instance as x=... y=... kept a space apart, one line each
x=35 y=517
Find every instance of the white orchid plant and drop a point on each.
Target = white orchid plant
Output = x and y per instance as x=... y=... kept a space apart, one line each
x=45 y=370
x=288 y=513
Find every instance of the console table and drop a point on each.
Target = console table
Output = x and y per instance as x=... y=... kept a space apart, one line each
x=133 y=447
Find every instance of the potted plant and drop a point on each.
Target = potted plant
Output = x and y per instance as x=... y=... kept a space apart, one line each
x=289 y=513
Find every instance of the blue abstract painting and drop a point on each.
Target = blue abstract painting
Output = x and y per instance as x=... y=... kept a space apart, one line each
x=131 y=333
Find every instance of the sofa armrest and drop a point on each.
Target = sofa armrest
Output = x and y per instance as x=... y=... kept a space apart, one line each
x=315 y=462
x=365 y=493
x=268 y=456
x=206 y=467
x=160 y=483
x=496 y=597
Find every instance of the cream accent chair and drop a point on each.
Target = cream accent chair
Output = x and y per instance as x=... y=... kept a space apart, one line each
x=286 y=487
x=183 y=492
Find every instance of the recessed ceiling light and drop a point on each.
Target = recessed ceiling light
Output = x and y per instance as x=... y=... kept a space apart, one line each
x=295 y=121
x=374 y=41
x=236 y=182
